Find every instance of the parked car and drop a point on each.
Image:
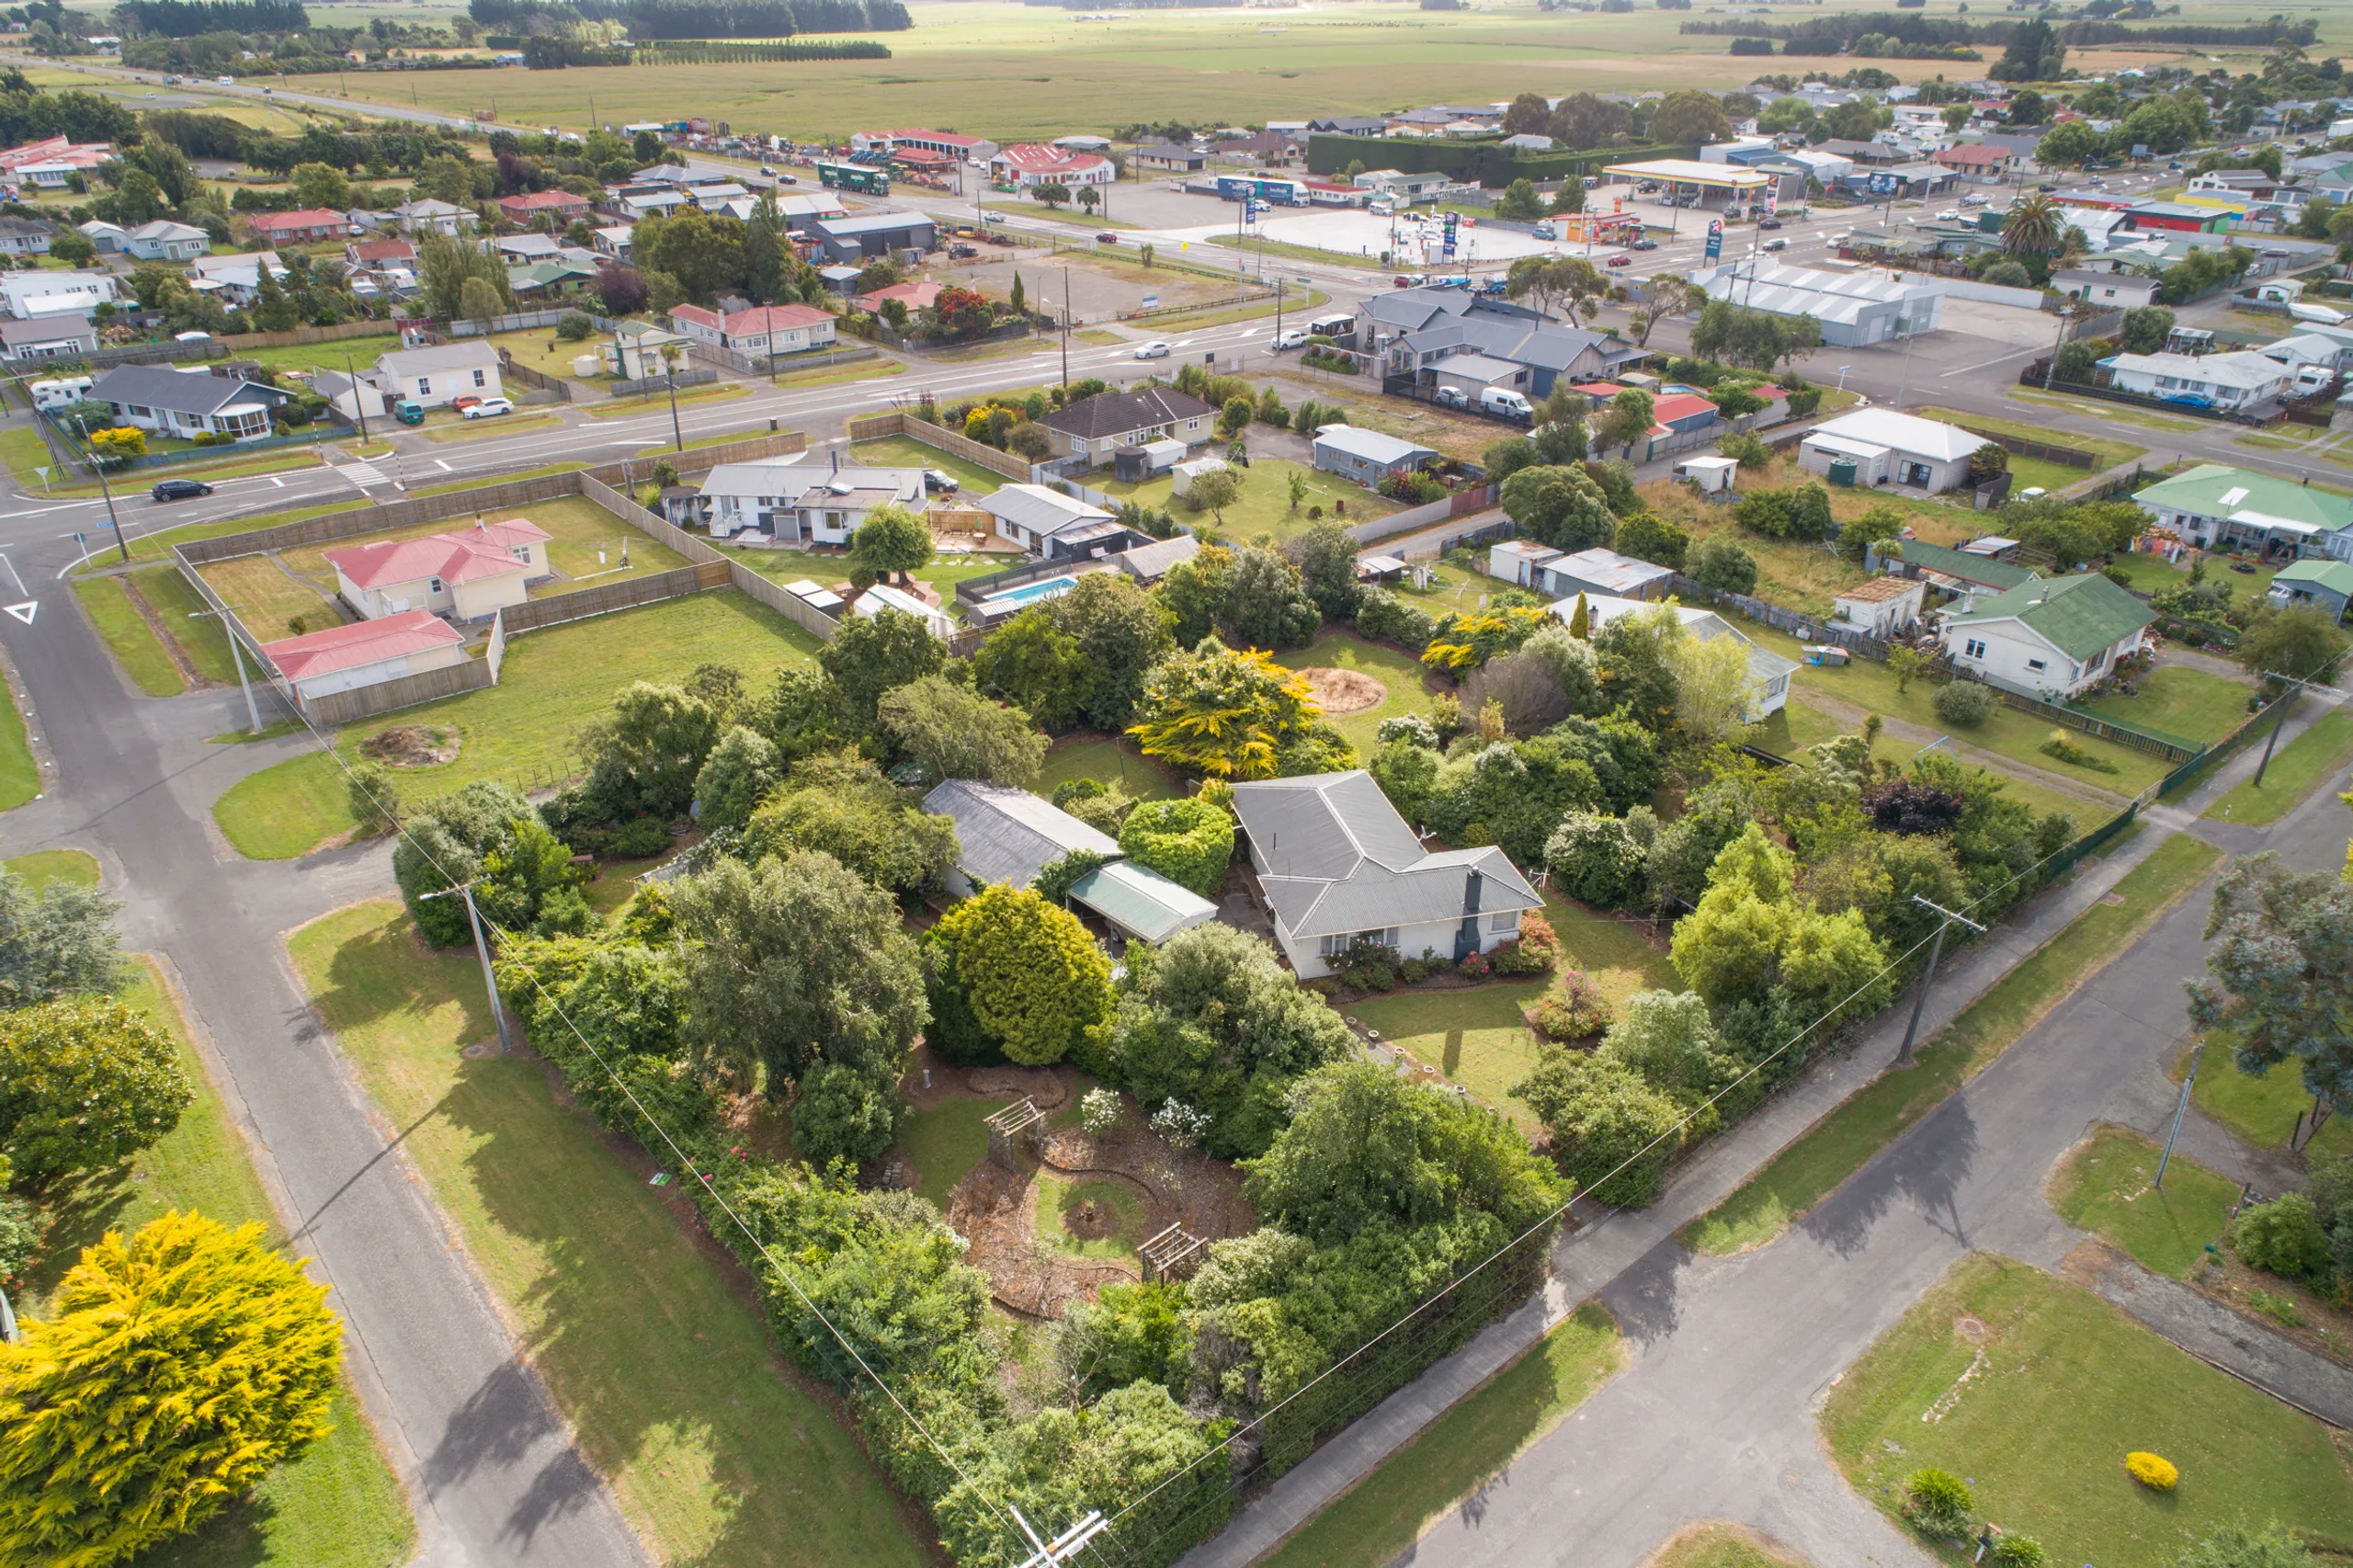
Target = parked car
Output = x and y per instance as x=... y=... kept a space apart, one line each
x=935 y=482
x=1290 y=338
x=1504 y=404
x=488 y=408
x=1153 y=352
x=962 y=253
x=463 y=403
x=1450 y=397
x=180 y=489
x=409 y=413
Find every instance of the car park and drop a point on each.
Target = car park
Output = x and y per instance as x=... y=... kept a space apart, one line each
x=488 y=408
x=180 y=489
x=935 y=482
x=1153 y=352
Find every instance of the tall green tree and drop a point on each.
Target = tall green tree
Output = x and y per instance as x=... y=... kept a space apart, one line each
x=951 y=732
x=893 y=541
x=56 y=942
x=84 y=1082
x=2279 y=974
x=1030 y=974
x=871 y=653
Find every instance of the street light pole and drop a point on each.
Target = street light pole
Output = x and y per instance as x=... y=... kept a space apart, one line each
x=2181 y=1108
x=2052 y=369
x=1928 y=975
x=481 y=951
x=357 y=408
x=2291 y=689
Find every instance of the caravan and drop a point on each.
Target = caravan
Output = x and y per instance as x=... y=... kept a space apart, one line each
x=50 y=396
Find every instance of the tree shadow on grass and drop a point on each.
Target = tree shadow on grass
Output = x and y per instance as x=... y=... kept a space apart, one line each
x=80 y=1210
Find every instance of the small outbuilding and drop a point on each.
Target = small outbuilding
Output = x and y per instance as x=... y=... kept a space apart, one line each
x=1880 y=606
x=2327 y=585
x=365 y=652
x=1368 y=456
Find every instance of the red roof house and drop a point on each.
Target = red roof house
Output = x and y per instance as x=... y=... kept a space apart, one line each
x=552 y=209
x=916 y=296
x=303 y=223
x=470 y=573
x=763 y=329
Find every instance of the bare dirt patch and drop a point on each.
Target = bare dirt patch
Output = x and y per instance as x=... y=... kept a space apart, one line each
x=411 y=745
x=1340 y=692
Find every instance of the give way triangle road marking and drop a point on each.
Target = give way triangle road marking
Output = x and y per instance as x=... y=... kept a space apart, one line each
x=23 y=611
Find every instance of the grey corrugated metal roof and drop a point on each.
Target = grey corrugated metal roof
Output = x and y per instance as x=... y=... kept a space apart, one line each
x=1008 y=834
x=1140 y=900
x=1334 y=857
x=1038 y=509
x=183 y=392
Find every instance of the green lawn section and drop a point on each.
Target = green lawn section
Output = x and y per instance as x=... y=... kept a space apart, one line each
x=1377 y=1521
x=1098 y=757
x=338 y=1504
x=905 y=452
x=43 y=867
x=2104 y=1186
x=2177 y=700
x=1839 y=1145
x=2066 y=1385
x=26 y=454
x=1060 y=1199
x=1253 y=246
x=1799 y=725
x=1719 y=1546
x=1398 y=672
x=463 y=429
x=522 y=729
x=1264 y=506
x=2154 y=574
x=942 y=572
x=2102 y=411
x=945 y=1142
x=2317 y=755
x=129 y=637
x=641 y=403
x=2261 y=1111
x=199 y=637
x=269 y=598
x=1478 y=1039
x=19 y=775
x=659 y=1360
x=358 y=352
x=2109 y=453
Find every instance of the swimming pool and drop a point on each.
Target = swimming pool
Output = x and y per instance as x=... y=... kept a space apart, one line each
x=1028 y=594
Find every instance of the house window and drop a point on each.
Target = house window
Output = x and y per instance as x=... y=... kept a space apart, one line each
x=425 y=386
x=434 y=586
x=1508 y=920
x=479 y=381
x=2034 y=664
x=2096 y=660
x=1973 y=649
x=1332 y=947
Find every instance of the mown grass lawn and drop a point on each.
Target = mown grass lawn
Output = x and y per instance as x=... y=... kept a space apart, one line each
x=905 y=452
x=127 y=636
x=660 y=1363
x=2064 y=1386
x=2178 y=699
x=1264 y=506
x=1377 y=1521
x=2262 y=1111
x=43 y=867
x=1088 y=754
x=1057 y=1201
x=2109 y=453
x=1721 y=1546
x=945 y=1142
x=2154 y=574
x=1400 y=673
x=268 y=598
x=19 y=775
x=336 y=1505
x=1838 y=1145
x=644 y=403
x=2103 y=1186
x=2318 y=756
x=523 y=729
x=359 y=352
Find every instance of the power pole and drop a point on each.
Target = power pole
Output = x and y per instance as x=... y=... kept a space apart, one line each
x=2180 y=1109
x=1928 y=975
x=2291 y=689
x=1066 y=309
x=106 y=490
x=481 y=951
x=357 y=408
x=1064 y=1547
x=236 y=652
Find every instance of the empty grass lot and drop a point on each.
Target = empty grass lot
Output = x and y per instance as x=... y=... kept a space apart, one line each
x=2178 y=699
x=268 y=598
x=1400 y=673
x=2316 y=757
x=43 y=867
x=127 y=636
x=2037 y=471
x=1838 y=1145
x=19 y=775
x=905 y=452
x=1721 y=1546
x=1264 y=506
x=1478 y=1037
x=2259 y=1110
x=198 y=638
x=2104 y=1186
x=1088 y=754
x=661 y=1364
x=1377 y=1521
x=336 y=1505
x=522 y=729
x=2064 y=1386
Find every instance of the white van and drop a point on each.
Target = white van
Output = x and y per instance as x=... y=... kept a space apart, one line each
x=1504 y=403
x=60 y=393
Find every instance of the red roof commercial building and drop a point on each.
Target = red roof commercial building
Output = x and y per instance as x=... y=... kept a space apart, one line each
x=1029 y=164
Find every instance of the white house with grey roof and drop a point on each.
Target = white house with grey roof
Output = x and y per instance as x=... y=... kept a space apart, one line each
x=788 y=500
x=1367 y=456
x=187 y=403
x=434 y=376
x=1055 y=526
x=1337 y=865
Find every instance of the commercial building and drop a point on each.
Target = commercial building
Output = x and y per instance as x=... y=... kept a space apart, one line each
x=1028 y=166
x=874 y=236
x=1854 y=309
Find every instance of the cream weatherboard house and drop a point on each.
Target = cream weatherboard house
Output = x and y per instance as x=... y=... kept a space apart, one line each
x=1337 y=865
x=2051 y=637
x=467 y=575
x=434 y=376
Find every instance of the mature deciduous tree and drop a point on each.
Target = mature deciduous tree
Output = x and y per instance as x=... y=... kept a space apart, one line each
x=58 y=941
x=2279 y=979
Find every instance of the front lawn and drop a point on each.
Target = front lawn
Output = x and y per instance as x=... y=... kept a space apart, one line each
x=1378 y=1520
x=1799 y=725
x=2181 y=700
x=127 y=636
x=522 y=730
x=2312 y=758
x=1264 y=506
x=1835 y=1148
x=1400 y=673
x=905 y=452
x=2262 y=1111
x=656 y=1355
x=336 y=1505
x=2103 y=1186
x=2035 y=1390
x=2153 y=573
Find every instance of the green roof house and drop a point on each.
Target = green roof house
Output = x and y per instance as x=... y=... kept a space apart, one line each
x=2047 y=639
x=1959 y=572
x=2235 y=508
x=2326 y=584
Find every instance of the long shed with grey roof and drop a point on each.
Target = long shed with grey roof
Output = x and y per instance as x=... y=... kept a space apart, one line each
x=1338 y=867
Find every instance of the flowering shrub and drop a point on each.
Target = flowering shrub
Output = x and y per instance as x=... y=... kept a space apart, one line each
x=1099 y=1110
x=1577 y=1011
x=2156 y=1474
x=1477 y=966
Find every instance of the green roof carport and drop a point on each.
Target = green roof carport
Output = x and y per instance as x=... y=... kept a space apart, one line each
x=1141 y=901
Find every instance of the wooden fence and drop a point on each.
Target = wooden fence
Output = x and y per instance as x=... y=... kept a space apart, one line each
x=338 y=707
x=899 y=422
x=2068 y=456
x=537 y=380
x=810 y=619
x=380 y=518
x=295 y=337
x=581 y=604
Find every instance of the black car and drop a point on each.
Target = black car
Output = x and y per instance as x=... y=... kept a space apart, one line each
x=1643 y=245
x=180 y=489
x=1768 y=223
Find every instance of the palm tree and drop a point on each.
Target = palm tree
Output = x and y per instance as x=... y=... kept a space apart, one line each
x=2032 y=228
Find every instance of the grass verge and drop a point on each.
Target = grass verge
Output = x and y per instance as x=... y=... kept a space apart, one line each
x=2262 y=1111
x=19 y=774
x=127 y=636
x=503 y=425
x=660 y=1363
x=1719 y=1545
x=2035 y=1390
x=1254 y=246
x=2103 y=1186
x=1378 y=1520
x=2319 y=754
x=1839 y=1145
x=654 y=402
x=176 y=604
x=337 y=1505
x=43 y=867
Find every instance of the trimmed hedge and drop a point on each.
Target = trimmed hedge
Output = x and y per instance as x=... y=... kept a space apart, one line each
x=1187 y=841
